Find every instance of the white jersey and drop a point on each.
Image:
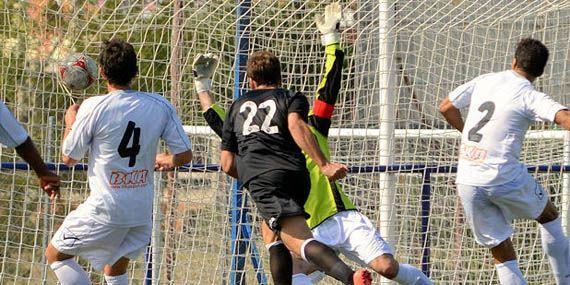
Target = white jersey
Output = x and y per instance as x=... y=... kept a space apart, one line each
x=121 y=132
x=501 y=108
x=12 y=134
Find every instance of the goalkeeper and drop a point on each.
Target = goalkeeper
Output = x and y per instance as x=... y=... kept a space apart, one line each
x=334 y=219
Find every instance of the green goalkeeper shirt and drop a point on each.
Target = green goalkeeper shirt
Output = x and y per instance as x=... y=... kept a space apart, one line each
x=326 y=198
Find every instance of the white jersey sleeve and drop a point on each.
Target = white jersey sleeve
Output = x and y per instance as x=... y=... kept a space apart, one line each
x=79 y=138
x=174 y=135
x=460 y=97
x=540 y=107
x=12 y=134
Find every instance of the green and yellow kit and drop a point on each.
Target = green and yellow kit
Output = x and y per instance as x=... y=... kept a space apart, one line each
x=326 y=198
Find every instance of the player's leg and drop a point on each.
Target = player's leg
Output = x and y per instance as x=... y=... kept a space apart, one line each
x=132 y=242
x=506 y=264
x=387 y=266
x=263 y=191
x=66 y=269
x=116 y=274
x=280 y=260
x=524 y=198
x=555 y=243
x=73 y=236
x=302 y=270
x=298 y=238
x=492 y=228
x=359 y=240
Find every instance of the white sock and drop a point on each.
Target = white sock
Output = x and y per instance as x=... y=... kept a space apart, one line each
x=555 y=245
x=410 y=275
x=301 y=279
x=509 y=273
x=117 y=280
x=305 y=242
x=68 y=272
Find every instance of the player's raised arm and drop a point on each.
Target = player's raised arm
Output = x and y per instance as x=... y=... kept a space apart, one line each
x=203 y=67
x=327 y=92
x=69 y=120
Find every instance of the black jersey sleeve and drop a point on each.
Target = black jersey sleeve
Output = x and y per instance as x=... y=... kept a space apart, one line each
x=229 y=139
x=214 y=116
x=299 y=104
x=327 y=92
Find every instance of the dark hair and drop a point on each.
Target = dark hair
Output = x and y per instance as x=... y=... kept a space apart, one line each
x=531 y=56
x=118 y=61
x=264 y=68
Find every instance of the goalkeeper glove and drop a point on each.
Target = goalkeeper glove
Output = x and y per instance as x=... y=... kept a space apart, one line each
x=203 y=68
x=329 y=24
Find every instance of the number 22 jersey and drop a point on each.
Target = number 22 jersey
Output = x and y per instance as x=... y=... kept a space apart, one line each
x=256 y=129
x=501 y=108
x=121 y=131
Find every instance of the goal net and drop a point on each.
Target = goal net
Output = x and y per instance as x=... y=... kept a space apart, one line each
x=402 y=58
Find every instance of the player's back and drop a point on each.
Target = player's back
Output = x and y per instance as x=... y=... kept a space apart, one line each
x=259 y=120
x=501 y=108
x=124 y=129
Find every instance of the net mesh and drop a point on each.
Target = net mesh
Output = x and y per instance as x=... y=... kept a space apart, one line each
x=436 y=45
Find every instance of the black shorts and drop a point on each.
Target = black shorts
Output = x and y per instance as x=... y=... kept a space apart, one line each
x=280 y=193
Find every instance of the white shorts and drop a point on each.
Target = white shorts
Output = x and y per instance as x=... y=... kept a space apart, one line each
x=491 y=209
x=100 y=244
x=352 y=234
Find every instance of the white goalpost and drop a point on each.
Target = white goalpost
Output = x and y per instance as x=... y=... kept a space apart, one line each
x=402 y=58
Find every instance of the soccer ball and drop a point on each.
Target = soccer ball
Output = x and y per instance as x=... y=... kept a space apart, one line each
x=77 y=71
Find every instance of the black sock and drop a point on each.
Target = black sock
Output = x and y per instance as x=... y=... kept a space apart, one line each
x=281 y=264
x=326 y=259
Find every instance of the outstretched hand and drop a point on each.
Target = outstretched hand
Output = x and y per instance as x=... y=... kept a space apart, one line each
x=203 y=68
x=71 y=114
x=329 y=23
x=49 y=182
x=164 y=161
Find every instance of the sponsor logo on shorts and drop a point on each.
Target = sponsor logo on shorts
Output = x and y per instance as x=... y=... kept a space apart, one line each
x=133 y=179
x=472 y=153
x=68 y=238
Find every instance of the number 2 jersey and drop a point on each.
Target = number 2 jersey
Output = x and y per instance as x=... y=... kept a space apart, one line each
x=256 y=129
x=121 y=131
x=501 y=108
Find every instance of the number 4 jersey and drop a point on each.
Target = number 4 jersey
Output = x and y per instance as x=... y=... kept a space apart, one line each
x=501 y=108
x=256 y=129
x=121 y=131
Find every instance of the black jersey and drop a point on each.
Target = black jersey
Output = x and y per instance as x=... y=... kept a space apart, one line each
x=256 y=129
